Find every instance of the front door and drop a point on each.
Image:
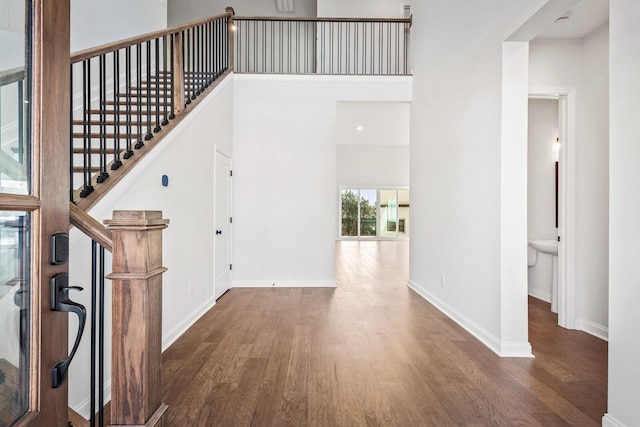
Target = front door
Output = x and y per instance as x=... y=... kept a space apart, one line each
x=222 y=221
x=34 y=204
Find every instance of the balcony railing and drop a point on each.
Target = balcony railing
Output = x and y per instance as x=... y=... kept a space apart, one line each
x=322 y=46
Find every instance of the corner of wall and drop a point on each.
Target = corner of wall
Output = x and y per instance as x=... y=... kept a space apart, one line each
x=609 y=421
x=502 y=349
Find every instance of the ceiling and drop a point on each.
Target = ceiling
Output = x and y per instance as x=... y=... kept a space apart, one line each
x=372 y=123
x=584 y=17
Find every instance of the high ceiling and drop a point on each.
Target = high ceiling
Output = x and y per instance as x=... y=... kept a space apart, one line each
x=583 y=18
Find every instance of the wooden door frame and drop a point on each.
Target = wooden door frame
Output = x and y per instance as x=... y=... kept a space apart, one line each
x=49 y=82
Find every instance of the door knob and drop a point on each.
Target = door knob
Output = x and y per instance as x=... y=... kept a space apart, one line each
x=218 y=232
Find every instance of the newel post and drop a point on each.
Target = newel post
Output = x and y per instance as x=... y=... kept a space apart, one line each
x=178 y=73
x=136 y=372
x=231 y=28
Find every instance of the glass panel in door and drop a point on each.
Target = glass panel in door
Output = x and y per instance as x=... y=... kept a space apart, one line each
x=14 y=315
x=14 y=159
x=368 y=215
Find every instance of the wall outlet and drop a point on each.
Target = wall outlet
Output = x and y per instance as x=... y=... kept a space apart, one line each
x=442 y=280
x=190 y=288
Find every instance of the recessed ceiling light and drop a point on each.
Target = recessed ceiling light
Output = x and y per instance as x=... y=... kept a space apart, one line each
x=359 y=128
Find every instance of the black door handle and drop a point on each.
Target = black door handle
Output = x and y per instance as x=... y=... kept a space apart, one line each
x=218 y=232
x=60 y=302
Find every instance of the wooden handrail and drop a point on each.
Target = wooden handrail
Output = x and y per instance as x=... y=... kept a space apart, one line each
x=11 y=76
x=89 y=226
x=310 y=19
x=121 y=44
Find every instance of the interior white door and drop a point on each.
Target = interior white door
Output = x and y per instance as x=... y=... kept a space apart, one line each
x=222 y=221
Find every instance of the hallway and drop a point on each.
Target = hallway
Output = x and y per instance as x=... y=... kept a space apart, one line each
x=372 y=352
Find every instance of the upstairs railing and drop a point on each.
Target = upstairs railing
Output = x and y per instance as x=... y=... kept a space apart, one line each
x=126 y=92
x=361 y=46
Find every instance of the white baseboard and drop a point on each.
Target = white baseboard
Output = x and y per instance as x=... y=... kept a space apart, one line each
x=176 y=332
x=609 y=421
x=594 y=329
x=502 y=349
x=284 y=284
x=540 y=294
x=84 y=408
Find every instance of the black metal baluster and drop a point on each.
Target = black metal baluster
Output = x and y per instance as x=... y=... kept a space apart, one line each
x=93 y=338
x=101 y=342
x=186 y=49
x=289 y=58
x=127 y=65
x=102 y=101
x=159 y=75
x=86 y=129
x=168 y=82
x=268 y=62
x=141 y=88
x=197 y=73
x=149 y=109
x=356 y=44
x=255 y=45
x=116 y=119
x=380 y=41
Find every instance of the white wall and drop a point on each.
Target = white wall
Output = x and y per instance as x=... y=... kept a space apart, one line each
x=182 y=11
x=541 y=219
x=95 y=22
x=456 y=155
x=624 y=211
x=372 y=144
x=186 y=156
x=581 y=64
x=284 y=198
x=375 y=166
x=361 y=8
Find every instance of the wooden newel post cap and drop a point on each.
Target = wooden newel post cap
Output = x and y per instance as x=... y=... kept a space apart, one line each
x=136 y=220
x=230 y=10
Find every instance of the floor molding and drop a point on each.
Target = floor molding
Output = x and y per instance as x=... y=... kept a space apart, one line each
x=541 y=295
x=177 y=331
x=502 y=349
x=284 y=283
x=594 y=329
x=609 y=421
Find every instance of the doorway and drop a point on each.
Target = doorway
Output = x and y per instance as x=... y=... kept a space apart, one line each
x=563 y=188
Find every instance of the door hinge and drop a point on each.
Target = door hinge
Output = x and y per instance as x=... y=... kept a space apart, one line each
x=230 y=220
x=230 y=173
x=230 y=266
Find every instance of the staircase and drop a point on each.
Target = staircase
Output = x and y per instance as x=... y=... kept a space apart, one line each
x=127 y=95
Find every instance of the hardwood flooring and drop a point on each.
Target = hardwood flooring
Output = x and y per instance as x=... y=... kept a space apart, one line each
x=372 y=352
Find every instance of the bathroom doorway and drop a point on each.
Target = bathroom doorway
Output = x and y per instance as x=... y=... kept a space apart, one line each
x=551 y=124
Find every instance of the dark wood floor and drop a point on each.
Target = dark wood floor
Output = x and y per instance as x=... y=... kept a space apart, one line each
x=372 y=352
